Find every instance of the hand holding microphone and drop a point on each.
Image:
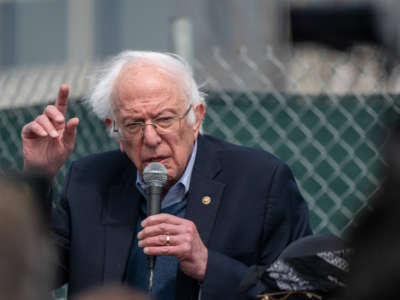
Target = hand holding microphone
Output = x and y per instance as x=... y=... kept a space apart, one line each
x=155 y=176
x=168 y=235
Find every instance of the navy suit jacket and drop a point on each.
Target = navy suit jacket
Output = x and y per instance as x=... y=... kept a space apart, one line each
x=256 y=210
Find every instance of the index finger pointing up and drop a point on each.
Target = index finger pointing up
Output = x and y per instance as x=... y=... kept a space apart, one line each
x=62 y=99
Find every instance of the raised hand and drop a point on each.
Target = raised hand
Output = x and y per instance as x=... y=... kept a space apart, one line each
x=49 y=139
x=165 y=234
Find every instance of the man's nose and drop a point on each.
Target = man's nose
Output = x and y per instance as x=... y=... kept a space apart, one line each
x=150 y=136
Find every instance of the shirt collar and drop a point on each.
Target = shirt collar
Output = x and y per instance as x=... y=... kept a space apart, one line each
x=177 y=192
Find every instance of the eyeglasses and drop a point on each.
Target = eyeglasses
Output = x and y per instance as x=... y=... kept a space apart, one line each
x=163 y=125
x=286 y=294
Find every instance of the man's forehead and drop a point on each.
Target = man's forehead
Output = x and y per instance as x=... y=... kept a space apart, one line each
x=143 y=67
x=146 y=81
x=146 y=72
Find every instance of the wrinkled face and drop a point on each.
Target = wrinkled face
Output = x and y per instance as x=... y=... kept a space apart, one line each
x=142 y=93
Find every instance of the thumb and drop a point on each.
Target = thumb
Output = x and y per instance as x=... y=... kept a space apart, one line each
x=70 y=133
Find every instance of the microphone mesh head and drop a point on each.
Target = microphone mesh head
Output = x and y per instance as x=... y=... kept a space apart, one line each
x=155 y=174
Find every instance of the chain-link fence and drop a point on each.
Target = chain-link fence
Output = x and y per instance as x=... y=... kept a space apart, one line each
x=328 y=123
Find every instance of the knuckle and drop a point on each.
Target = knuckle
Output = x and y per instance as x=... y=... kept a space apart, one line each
x=162 y=227
x=49 y=108
x=35 y=125
x=188 y=238
x=186 y=247
x=190 y=229
x=40 y=118
x=164 y=251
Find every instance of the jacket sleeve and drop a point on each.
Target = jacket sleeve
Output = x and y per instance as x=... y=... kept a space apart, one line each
x=60 y=220
x=286 y=219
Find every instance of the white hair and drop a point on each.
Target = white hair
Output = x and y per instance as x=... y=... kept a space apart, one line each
x=100 y=95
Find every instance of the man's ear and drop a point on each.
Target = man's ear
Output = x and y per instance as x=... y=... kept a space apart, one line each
x=199 y=111
x=121 y=146
x=108 y=123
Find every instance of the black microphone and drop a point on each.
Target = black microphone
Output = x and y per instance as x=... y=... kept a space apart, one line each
x=154 y=176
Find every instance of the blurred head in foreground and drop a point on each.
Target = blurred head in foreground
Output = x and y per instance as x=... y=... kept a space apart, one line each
x=25 y=253
x=112 y=292
x=375 y=267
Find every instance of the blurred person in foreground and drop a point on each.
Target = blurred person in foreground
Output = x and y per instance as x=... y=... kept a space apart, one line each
x=375 y=265
x=25 y=251
x=112 y=292
x=225 y=207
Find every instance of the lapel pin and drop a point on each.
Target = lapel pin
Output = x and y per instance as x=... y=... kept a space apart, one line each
x=206 y=200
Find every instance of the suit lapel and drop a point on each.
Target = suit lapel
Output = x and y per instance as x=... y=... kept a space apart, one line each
x=203 y=202
x=204 y=198
x=205 y=192
x=119 y=220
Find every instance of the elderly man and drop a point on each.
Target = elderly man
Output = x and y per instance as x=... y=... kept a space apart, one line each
x=224 y=208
